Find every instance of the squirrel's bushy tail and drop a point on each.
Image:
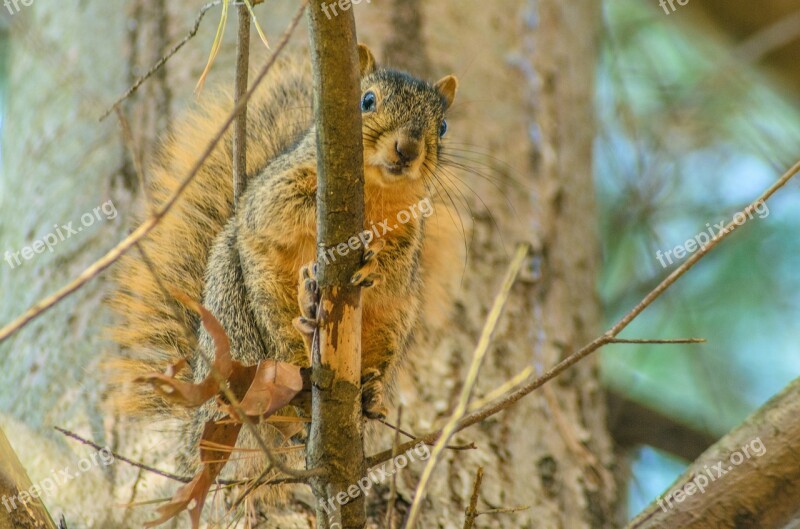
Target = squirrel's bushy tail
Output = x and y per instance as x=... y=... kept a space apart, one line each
x=152 y=330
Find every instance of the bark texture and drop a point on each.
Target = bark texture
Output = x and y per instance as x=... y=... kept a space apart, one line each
x=525 y=109
x=19 y=510
x=336 y=440
x=750 y=478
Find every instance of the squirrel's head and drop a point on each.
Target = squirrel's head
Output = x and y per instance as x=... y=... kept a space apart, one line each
x=403 y=122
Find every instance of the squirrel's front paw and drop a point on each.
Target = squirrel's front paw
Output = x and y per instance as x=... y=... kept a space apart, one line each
x=308 y=300
x=368 y=276
x=372 y=395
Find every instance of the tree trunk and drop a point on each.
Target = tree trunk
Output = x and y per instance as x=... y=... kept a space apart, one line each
x=525 y=102
x=20 y=508
x=525 y=115
x=60 y=172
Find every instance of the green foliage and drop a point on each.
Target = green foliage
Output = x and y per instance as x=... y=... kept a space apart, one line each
x=688 y=136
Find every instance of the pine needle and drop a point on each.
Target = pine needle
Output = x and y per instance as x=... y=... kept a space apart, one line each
x=215 y=47
x=255 y=21
x=221 y=33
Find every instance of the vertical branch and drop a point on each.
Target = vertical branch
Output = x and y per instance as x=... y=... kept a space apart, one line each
x=163 y=94
x=336 y=438
x=240 y=88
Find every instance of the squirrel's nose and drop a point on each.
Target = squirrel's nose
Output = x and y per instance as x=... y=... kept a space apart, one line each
x=407 y=150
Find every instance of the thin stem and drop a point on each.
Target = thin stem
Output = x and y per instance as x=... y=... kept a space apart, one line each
x=161 y=62
x=240 y=89
x=472 y=377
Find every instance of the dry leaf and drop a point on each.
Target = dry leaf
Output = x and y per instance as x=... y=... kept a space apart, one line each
x=187 y=393
x=192 y=496
x=273 y=386
x=261 y=389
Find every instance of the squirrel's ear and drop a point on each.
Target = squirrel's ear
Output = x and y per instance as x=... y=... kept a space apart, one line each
x=366 y=60
x=447 y=86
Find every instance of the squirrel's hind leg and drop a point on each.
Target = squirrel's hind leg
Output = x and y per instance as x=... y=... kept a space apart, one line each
x=373 y=394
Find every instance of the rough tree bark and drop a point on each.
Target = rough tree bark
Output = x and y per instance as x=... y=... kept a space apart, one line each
x=336 y=437
x=525 y=102
x=750 y=478
x=25 y=511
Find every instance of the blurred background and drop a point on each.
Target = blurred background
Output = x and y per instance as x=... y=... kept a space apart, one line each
x=698 y=115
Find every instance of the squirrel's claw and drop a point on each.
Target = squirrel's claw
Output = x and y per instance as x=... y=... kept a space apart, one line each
x=373 y=249
x=367 y=276
x=372 y=395
x=308 y=291
x=308 y=301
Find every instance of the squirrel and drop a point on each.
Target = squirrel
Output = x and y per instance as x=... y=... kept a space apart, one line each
x=244 y=262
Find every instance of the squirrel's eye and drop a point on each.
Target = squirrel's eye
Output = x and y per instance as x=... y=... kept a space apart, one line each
x=369 y=102
x=443 y=128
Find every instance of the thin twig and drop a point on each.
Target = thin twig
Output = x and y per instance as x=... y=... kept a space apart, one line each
x=659 y=341
x=117 y=251
x=250 y=487
x=161 y=62
x=162 y=473
x=470 y=446
x=472 y=510
x=240 y=88
x=472 y=376
x=504 y=511
x=526 y=373
x=393 y=486
x=168 y=475
x=512 y=396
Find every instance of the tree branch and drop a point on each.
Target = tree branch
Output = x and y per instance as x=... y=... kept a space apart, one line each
x=750 y=478
x=161 y=62
x=336 y=435
x=20 y=508
x=240 y=89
